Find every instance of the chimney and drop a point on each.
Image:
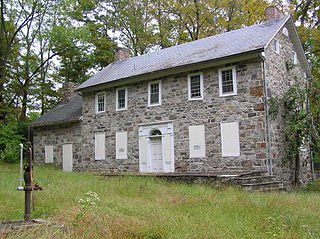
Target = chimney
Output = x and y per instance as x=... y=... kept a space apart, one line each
x=69 y=91
x=273 y=13
x=121 y=53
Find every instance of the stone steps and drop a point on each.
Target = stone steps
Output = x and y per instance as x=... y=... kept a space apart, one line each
x=263 y=186
x=253 y=179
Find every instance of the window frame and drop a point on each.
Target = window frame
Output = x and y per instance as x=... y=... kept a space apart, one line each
x=125 y=97
x=149 y=93
x=96 y=102
x=276 y=46
x=238 y=150
x=234 y=81
x=294 y=58
x=201 y=86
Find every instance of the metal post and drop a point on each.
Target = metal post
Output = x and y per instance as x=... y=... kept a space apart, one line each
x=28 y=184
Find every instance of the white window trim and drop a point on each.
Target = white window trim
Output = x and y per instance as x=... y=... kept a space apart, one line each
x=294 y=58
x=96 y=102
x=234 y=81
x=126 y=99
x=149 y=93
x=201 y=86
x=277 y=50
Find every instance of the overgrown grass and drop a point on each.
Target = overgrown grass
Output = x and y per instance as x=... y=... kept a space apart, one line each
x=138 y=207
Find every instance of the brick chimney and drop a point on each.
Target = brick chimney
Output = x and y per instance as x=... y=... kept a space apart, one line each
x=69 y=91
x=273 y=13
x=121 y=53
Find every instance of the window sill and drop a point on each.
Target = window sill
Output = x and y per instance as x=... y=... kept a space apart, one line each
x=191 y=99
x=154 y=105
x=229 y=94
x=99 y=159
x=121 y=109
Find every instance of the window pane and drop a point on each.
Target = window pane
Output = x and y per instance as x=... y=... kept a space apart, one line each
x=195 y=87
x=227 y=81
x=121 y=99
x=154 y=93
x=100 y=103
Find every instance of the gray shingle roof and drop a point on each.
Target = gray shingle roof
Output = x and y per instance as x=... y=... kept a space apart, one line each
x=230 y=43
x=69 y=111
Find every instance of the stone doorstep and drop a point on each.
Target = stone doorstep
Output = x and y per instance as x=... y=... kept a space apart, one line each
x=9 y=226
x=253 y=179
x=264 y=186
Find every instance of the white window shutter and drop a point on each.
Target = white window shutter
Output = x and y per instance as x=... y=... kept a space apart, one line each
x=48 y=150
x=168 y=162
x=197 y=144
x=143 y=153
x=100 y=152
x=121 y=145
x=230 y=143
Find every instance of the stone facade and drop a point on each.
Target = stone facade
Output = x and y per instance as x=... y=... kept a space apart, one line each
x=281 y=74
x=246 y=107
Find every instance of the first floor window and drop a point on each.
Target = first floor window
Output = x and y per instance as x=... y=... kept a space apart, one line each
x=121 y=99
x=100 y=102
x=99 y=145
x=121 y=145
x=227 y=81
x=48 y=150
x=294 y=57
x=195 y=86
x=197 y=142
x=154 y=93
x=230 y=143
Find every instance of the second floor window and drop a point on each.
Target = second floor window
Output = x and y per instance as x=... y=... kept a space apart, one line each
x=154 y=93
x=195 y=86
x=276 y=46
x=121 y=99
x=294 y=57
x=100 y=102
x=227 y=81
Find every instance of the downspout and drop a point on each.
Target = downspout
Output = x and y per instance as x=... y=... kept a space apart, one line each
x=267 y=125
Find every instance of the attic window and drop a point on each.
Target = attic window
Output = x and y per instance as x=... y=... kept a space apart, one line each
x=276 y=46
x=195 y=86
x=227 y=81
x=294 y=57
x=285 y=31
x=100 y=102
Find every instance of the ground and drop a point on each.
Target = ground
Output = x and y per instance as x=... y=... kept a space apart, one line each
x=138 y=207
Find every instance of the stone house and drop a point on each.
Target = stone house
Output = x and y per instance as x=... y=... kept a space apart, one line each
x=201 y=106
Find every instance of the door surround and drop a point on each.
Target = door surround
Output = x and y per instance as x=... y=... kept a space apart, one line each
x=163 y=130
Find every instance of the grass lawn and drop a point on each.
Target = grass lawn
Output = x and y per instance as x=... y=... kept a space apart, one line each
x=139 y=207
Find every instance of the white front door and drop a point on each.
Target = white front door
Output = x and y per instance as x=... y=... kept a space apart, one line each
x=67 y=157
x=156 y=155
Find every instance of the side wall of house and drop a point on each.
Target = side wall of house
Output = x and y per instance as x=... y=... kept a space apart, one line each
x=246 y=107
x=281 y=74
x=57 y=136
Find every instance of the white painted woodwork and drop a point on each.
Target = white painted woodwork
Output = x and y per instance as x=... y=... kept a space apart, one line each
x=67 y=157
x=48 y=150
x=121 y=145
x=197 y=144
x=100 y=152
x=143 y=154
x=168 y=162
x=156 y=154
x=230 y=143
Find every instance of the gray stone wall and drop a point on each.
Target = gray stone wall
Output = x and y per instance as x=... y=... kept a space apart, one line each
x=57 y=136
x=279 y=79
x=246 y=107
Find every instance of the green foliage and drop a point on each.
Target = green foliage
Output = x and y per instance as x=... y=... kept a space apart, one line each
x=313 y=186
x=144 y=207
x=10 y=138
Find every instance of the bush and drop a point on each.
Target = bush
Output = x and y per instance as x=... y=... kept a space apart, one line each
x=10 y=154
x=314 y=186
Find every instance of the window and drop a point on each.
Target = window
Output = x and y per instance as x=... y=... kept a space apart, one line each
x=99 y=145
x=285 y=31
x=100 y=102
x=197 y=145
x=230 y=144
x=227 y=81
x=276 y=46
x=294 y=57
x=195 y=86
x=154 y=93
x=48 y=151
x=121 y=97
x=121 y=145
